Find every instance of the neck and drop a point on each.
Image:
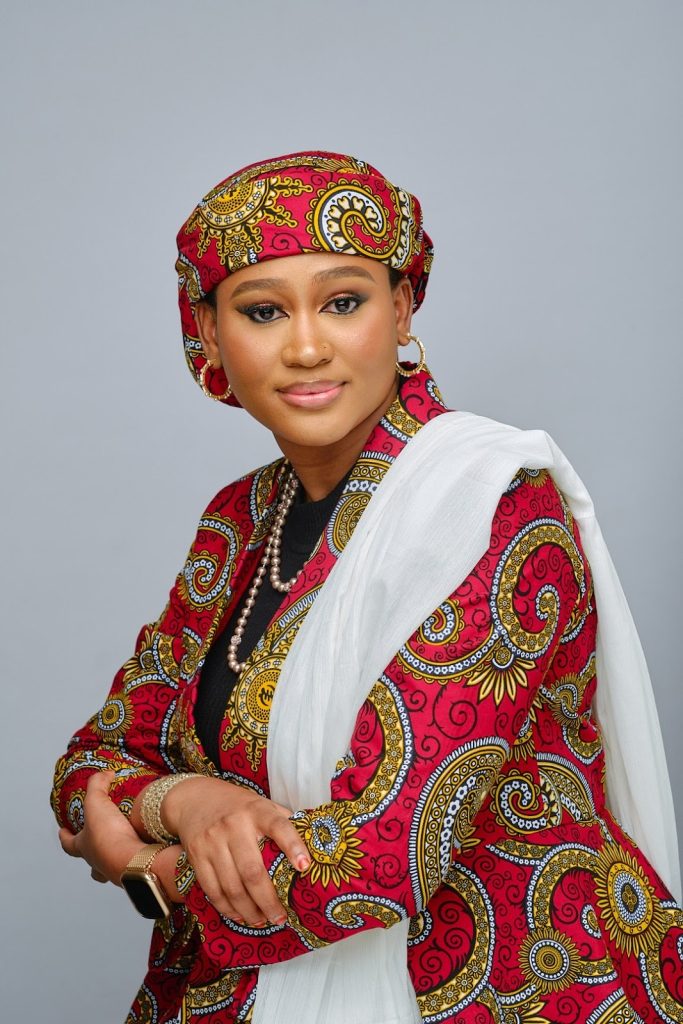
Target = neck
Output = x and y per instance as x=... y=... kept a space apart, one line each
x=319 y=469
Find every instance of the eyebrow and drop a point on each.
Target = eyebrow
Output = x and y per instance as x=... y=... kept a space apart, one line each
x=322 y=275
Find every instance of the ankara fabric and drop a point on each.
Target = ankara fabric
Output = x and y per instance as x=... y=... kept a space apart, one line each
x=471 y=798
x=300 y=203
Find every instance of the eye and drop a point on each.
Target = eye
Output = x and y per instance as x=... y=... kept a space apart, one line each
x=344 y=304
x=262 y=312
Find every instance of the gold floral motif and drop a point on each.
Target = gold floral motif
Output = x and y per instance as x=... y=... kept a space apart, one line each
x=330 y=836
x=113 y=719
x=549 y=960
x=231 y=216
x=500 y=673
x=627 y=905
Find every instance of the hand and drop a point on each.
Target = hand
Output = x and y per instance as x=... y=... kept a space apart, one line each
x=220 y=826
x=108 y=840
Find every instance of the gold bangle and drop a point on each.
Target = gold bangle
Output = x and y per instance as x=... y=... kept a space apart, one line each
x=150 y=806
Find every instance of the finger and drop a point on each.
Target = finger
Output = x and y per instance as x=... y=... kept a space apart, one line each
x=283 y=832
x=257 y=883
x=99 y=784
x=69 y=842
x=218 y=878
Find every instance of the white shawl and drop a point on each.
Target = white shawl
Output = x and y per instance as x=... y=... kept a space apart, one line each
x=430 y=522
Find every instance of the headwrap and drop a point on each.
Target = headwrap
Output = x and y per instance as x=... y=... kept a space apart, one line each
x=301 y=203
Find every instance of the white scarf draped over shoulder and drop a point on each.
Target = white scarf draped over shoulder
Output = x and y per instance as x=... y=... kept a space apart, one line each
x=435 y=507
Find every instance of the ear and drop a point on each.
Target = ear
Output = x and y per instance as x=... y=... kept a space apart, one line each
x=205 y=318
x=403 y=308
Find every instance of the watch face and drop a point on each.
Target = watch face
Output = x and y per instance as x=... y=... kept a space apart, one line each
x=144 y=897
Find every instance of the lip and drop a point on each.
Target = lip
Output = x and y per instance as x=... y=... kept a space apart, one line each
x=311 y=394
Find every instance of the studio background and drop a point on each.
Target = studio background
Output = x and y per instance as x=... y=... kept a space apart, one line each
x=544 y=141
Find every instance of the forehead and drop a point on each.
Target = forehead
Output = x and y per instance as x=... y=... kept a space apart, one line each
x=306 y=269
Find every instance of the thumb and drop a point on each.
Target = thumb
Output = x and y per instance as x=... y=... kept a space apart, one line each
x=69 y=842
x=100 y=783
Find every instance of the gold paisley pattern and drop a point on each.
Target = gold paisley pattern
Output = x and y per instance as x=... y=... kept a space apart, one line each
x=153 y=662
x=571 y=787
x=363 y=481
x=206 y=577
x=562 y=860
x=447 y=806
x=528 y=541
x=566 y=696
x=469 y=980
x=215 y=996
x=630 y=911
x=262 y=505
x=349 y=913
x=348 y=217
x=523 y=806
x=615 y=1010
x=395 y=752
x=651 y=971
x=283 y=876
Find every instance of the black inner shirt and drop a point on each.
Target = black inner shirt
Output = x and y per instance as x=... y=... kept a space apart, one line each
x=305 y=522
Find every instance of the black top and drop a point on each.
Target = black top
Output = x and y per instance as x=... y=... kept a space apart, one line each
x=305 y=522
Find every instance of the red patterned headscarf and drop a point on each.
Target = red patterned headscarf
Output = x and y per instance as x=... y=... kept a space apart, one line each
x=300 y=203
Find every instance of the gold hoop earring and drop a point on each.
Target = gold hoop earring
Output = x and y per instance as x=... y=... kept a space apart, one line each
x=422 y=365
x=208 y=365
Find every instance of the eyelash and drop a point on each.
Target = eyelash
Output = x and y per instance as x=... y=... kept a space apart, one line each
x=261 y=307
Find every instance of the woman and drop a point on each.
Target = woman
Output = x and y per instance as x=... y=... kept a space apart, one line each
x=426 y=779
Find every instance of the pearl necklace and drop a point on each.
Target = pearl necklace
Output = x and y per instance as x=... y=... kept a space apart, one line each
x=270 y=555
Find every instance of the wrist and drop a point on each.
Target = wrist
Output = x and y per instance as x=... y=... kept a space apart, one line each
x=119 y=856
x=165 y=868
x=175 y=799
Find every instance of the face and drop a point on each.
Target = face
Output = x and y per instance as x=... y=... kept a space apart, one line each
x=309 y=344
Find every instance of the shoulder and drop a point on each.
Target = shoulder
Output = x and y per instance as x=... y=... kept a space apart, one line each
x=250 y=494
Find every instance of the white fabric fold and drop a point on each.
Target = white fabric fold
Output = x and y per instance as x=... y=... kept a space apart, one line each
x=422 y=533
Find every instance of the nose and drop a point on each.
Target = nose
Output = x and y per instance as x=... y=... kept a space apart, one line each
x=305 y=344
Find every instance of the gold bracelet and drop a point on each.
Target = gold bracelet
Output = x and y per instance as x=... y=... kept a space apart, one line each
x=150 y=806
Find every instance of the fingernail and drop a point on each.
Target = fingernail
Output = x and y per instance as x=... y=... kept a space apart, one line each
x=280 y=919
x=259 y=924
x=303 y=863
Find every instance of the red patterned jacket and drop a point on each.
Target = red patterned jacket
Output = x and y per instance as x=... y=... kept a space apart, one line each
x=471 y=798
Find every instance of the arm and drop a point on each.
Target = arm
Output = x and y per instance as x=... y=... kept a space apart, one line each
x=131 y=733
x=428 y=745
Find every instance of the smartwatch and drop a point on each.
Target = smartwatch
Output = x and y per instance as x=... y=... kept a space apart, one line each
x=142 y=885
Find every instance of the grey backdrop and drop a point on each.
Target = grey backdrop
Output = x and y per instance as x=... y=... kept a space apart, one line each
x=544 y=139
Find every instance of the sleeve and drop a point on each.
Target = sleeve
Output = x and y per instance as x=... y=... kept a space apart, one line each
x=429 y=742
x=126 y=734
x=134 y=732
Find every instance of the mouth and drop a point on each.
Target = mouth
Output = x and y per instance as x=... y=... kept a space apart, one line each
x=311 y=394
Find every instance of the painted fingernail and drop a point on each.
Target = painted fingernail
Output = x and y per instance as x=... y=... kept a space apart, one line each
x=259 y=924
x=303 y=863
x=280 y=919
